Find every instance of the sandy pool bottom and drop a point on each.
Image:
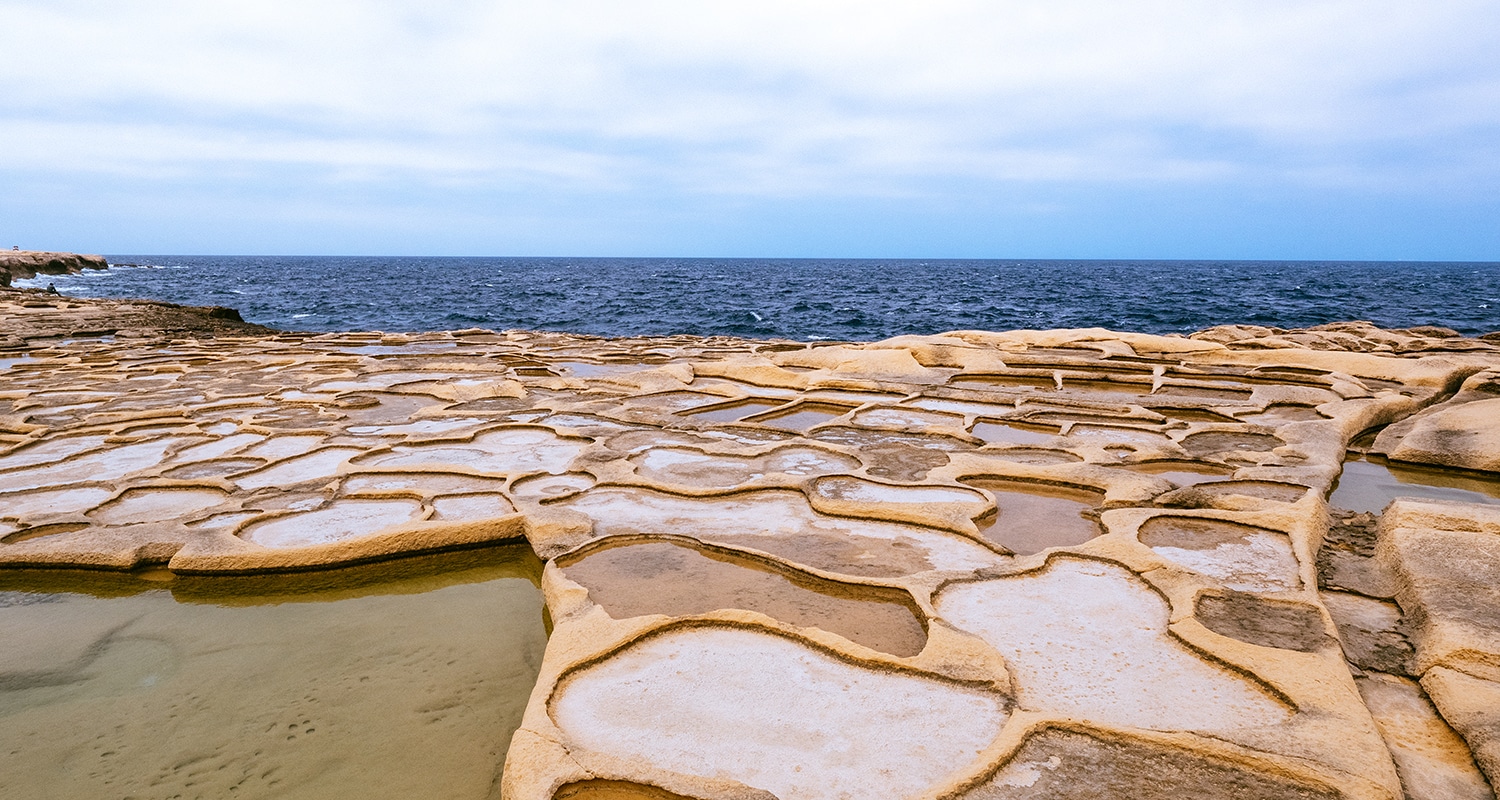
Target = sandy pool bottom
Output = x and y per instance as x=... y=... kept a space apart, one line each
x=400 y=685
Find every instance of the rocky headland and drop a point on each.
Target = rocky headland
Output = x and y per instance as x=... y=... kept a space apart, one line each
x=1024 y=564
x=22 y=264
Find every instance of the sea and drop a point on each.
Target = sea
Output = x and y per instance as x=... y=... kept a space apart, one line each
x=801 y=299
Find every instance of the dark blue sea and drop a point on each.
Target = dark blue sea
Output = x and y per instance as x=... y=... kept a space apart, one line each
x=803 y=299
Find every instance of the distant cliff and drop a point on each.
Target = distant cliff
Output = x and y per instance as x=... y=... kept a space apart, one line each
x=22 y=264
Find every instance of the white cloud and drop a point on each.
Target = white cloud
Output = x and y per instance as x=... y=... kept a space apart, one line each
x=766 y=97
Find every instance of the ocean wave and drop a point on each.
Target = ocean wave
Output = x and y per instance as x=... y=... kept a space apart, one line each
x=809 y=299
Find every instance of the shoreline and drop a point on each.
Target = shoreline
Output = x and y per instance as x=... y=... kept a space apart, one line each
x=923 y=530
x=27 y=313
x=601 y=297
x=26 y=264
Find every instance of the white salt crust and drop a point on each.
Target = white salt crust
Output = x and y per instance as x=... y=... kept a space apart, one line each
x=340 y=520
x=771 y=514
x=776 y=715
x=1089 y=640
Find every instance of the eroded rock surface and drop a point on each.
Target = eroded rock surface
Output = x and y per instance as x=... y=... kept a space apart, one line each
x=1027 y=564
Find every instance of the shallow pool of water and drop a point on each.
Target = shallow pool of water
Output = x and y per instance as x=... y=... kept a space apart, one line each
x=1370 y=485
x=1034 y=517
x=669 y=578
x=391 y=681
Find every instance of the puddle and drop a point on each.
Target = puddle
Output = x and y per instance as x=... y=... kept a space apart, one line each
x=1369 y=485
x=1060 y=763
x=404 y=680
x=468 y=507
x=894 y=456
x=496 y=451
x=319 y=465
x=419 y=483
x=543 y=487
x=803 y=417
x=1278 y=413
x=1181 y=473
x=1191 y=414
x=218 y=468
x=50 y=451
x=961 y=407
x=1033 y=517
x=1032 y=455
x=666 y=578
x=735 y=412
x=396 y=350
x=215 y=449
x=674 y=401
x=1013 y=433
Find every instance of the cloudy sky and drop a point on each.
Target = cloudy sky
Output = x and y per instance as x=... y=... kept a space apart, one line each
x=1050 y=129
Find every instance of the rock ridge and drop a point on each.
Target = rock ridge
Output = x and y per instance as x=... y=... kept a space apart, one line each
x=974 y=565
x=22 y=264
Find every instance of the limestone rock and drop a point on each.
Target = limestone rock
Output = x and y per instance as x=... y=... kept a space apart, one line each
x=22 y=264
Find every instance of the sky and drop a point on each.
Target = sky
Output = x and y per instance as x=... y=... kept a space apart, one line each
x=1264 y=129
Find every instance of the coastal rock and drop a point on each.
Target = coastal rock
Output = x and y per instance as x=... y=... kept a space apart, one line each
x=1463 y=432
x=1017 y=564
x=22 y=264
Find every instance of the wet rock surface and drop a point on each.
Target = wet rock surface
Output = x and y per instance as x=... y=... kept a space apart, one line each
x=1027 y=564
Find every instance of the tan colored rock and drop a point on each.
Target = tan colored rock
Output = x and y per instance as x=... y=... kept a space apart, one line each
x=1447 y=560
x=22 y=264
x=1466 y=435
x=1030 y=563
x=1472 y=706
x=1433 y=761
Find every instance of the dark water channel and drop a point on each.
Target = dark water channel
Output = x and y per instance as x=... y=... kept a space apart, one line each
x=1369 y=484
x=394 y=681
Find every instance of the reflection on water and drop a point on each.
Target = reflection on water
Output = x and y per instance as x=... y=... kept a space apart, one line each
x=1033 y=517
x=803 y=417
x=1369 y=485
x=400 y=681
x=670 y=578
x=735 y=411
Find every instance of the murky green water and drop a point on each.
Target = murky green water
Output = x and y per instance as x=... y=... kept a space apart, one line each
x=379 y=682
x=1367 y=485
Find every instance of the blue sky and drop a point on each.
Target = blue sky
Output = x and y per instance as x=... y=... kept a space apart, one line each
x=1057 y=129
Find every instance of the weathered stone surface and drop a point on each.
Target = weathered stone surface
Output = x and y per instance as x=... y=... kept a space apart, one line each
x=1472 y=706
x=1433 y=761
x=1447 y=559
x=1373 y=632
x=1463 y=432
x=832 y=574
x=1268 y=623
x=1060 y=764
x=21 y=264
